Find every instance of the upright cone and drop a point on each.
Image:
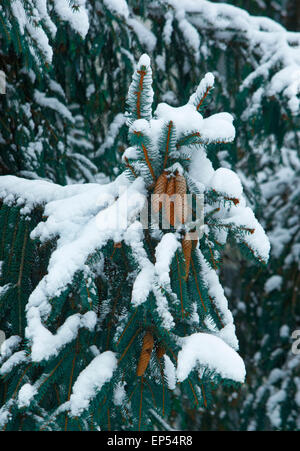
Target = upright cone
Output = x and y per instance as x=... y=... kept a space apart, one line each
x=145 y=354
x=159 y=189
x=187 y=251
x=180 y=184
x=181 y=207
x=170 y=207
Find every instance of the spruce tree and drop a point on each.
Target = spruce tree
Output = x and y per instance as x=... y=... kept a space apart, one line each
x=63 y=121
x=113 y=324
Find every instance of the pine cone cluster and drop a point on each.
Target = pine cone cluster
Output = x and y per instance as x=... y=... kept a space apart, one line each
x=175 y=206
x=175 y=202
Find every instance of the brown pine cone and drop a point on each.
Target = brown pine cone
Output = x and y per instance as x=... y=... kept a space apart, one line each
x=170 y=207
x=145 y=355
x=160 y=188
x=181 y=207
x=187 y=251
x=180 y=184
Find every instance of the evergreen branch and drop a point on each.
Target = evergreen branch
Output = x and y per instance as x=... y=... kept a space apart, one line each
x=127 y=325
x=162 y=423
x=129 y=166
x=212 y=256
x=231 y=227
x=142 y=74
x=204 y=97
x=193 y=391
x=151 y=391
x=148 y=162
x=170 y=125
x=16 y=391
x=216 y=311
x=188 y=138
x=180 y=286
x=129 y=345
x=203 y=395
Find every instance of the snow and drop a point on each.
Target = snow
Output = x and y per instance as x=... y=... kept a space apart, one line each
x=144 y=61
x=218 y=128
x=205 y=350
x=284 y=331
x=164 y=424
x=170 y=372
x=5 y=415
x=274 y=407
x=273 y=283
x=44 y=343
x=164 y=253
x=56 y=87
x=84 y=218
x=41 y=6
x=185 y=118
x=54 y=104
x=142 y=285
x=94 y=350
x=9 y=345
x=114 y=220
x=119 y=394
x=258 y=241
x=163 y=309
x=19 y=13
x=216 y=292
x=78 y=19
x=189 y=32
x=26 y=393
x=140 y=125
x=37 y=33
x=227 y=182
x=15 y=359
x=91 y=380
x=145 y=36
x=201 y=168
x=89 y=320
x=168 y=28
x=161 y=62
x=130 y=153
x=146 y=281
x=31 y=193
x=119 y=7
x=206 y=83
